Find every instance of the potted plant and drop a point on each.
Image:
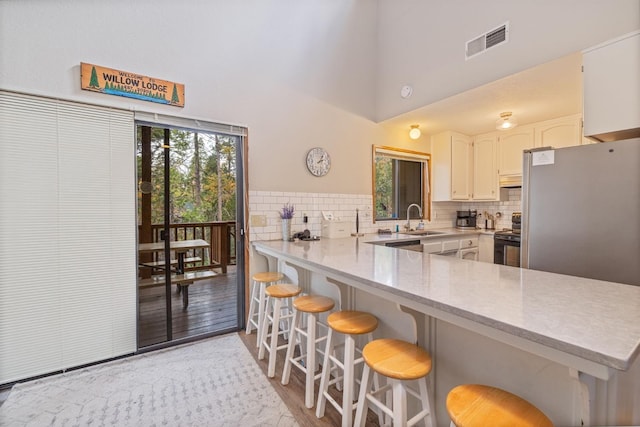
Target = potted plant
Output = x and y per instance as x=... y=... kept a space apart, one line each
x=286 y=214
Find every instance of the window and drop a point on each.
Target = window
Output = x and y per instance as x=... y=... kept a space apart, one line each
x=400 y=178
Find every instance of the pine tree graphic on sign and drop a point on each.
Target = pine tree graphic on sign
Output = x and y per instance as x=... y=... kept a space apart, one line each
x=174 y=96
x=94 y=79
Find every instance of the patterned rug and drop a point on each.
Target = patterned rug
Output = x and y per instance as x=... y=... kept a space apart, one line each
x=214 y=382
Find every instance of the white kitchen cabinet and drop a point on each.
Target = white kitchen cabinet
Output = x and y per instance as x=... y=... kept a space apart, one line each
x=485 y=169
x=465 y=248
x=560 y=132
x=511 y=143
x=612 y=89
x=469 y=249
x=485 y=244
x=461 y=167
x=452 y=166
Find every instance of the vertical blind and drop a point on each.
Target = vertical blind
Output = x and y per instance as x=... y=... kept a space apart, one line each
x=67 y=235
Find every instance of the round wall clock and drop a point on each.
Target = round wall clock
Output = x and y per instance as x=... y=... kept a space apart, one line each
x=318 y=161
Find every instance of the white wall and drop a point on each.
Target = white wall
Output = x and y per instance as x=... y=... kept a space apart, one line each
x=422 y=42
x=297 y=74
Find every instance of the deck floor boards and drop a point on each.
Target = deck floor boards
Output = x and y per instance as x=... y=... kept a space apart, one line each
x=213 y=306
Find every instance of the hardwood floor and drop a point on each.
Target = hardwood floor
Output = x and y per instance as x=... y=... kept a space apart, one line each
x=213 y=306
x=293 y=393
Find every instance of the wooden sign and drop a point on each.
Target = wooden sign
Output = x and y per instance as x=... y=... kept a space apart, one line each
x=122 y=83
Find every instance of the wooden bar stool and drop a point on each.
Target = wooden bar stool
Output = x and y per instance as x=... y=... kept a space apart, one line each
x=351 y=324
x=399 y=361
x=276 y=295
x=475 y=405
x=311 y=305
x=259 y=282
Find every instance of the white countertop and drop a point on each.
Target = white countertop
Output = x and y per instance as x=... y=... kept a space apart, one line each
x=590 y=319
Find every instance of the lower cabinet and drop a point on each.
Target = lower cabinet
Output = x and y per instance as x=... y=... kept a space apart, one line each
x=486 y=248
x=464 y=248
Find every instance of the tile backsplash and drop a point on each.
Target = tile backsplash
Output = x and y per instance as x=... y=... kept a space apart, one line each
x=265 y=206
x=511 y=204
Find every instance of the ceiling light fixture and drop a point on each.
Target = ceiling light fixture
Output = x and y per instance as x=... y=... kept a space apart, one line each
x=415 y=133
x=506 y=121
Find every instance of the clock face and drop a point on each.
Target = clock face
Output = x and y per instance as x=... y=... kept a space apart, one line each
x=318 y=161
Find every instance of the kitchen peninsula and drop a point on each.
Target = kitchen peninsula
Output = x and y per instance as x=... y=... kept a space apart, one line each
x=567 y=344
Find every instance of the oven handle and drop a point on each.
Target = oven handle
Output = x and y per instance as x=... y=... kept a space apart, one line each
x=507 y=242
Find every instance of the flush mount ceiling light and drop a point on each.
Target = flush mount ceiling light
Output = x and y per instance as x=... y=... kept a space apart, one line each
x=415 y=133
x=506 y=121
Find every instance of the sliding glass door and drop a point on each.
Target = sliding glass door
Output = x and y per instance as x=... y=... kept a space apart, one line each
x=190 y=277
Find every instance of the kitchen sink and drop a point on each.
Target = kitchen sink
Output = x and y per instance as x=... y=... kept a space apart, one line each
x=423 y=233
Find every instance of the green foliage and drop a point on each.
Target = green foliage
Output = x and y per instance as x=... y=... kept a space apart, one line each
x=384 y=187
x=215 y=157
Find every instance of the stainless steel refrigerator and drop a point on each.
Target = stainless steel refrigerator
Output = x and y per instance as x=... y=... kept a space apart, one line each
x=581 y=211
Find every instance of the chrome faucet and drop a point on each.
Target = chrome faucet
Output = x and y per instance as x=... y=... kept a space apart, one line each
x=407 y=226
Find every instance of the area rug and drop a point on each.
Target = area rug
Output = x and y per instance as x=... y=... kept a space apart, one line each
x=214 y=382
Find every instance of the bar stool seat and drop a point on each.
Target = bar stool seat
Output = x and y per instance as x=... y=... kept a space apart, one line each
x=276 y=295
x=259 y=282
x=476 y=405
x=349 y=323
x=399 y=361
x=311 y=305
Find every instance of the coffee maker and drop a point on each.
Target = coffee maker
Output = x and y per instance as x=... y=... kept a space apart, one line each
x=466 y=219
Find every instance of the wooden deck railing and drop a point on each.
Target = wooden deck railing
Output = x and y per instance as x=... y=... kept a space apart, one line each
x=220 y=235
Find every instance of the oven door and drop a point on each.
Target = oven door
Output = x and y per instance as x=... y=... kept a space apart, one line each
x=506 y=252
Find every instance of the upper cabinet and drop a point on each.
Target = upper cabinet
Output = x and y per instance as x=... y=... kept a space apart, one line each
x=461 y=167
x=464 y=168
x=511 y=143
x=612 y=89
x=452 y=166
x=485 y=168
x=559 y=133
x=467 y=168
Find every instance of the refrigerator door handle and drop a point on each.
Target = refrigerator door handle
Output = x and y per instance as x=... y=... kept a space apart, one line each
x=524 y=227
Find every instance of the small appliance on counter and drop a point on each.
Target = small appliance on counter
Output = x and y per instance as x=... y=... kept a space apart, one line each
x=466 y=219
x=334 y=227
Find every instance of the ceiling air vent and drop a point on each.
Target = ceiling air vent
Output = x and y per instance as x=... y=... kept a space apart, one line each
x=490 y=39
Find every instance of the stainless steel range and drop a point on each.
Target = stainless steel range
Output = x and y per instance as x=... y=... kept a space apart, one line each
x=506 y=243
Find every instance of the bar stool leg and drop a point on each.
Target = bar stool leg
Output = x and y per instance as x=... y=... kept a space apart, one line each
x=264 y=329
x=363 y=403
x=326 y=374
x=275 y=329
x=426 y=405
x=310 y=360
x=252 y=303
x=257 y=301
x=261 y=307
x=293 y=341
x=348 y=381
x=399 y=403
